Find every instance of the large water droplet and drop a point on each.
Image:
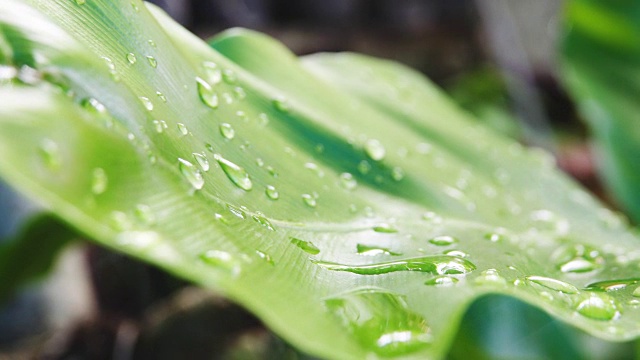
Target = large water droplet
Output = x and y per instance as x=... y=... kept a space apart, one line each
x=208 y=96
x=436 y=264
x=202 y=161
x=309 y=200
x=553 y=284
x=381 y=321
x=222 y=260
x=598 y=306
x=306 y=246
x=443 y=240
x=612 y=285
x=374 y=250
x=374 y=150
x=191 y=173
x=272 y=193
x=226 y=130
x=348 y=181
x=99 y=181
x=235 y=173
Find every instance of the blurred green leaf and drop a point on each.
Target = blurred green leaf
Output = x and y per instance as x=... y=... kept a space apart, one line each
x=343 y=199
x=601 y=58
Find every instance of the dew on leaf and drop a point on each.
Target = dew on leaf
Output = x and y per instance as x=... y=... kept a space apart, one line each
x=636 y=292
x=182 y=128
x=160 y=125
x=348 y=181
x=93 y=105
x=144 y=214
x=435 y=264
x=443 y=240
x=238 y=212
x=385 y=228
x=161 y=96
x=212 y=71
x=262 y=220
x=206 y=93
x=441 y=281
x=272 y=192
x=374 y=149
x=229 y=76
x=99 y=181
x=266 y=257
x=397 y=173
x=222 y=260
x=50 y=154
x=131 y=58
x=281 y=104
x=306 y=246
x=239 y=93
x=309 y=200
x=553 y=284
x=119 y=221
x=235 y=173
x=432 y=217
x=364 y=167
x=80 y=2
x=381 y=321
x=191 y=173
x=152 y=61
x=263 y=119
x=577 y=258
x=146 y=102
x=374 y=250
x=152 y=43
x=598 y=306
x=202 y=161
x=612 y=285
x=490 y=277
x=494 y=237
x=457 y=253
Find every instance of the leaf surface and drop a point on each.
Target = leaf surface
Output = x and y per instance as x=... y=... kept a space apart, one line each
x=343 y=199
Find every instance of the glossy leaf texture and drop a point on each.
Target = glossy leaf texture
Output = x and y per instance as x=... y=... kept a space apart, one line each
x=601 y=64
x=343 y=199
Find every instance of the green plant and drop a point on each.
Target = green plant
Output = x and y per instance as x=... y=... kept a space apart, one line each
x=333 y=194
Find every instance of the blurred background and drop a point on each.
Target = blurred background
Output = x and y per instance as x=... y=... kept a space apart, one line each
x=496 y=58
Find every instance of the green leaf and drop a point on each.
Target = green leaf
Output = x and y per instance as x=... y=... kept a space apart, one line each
x=601 y=63
x=32 y=253
x=343 y=199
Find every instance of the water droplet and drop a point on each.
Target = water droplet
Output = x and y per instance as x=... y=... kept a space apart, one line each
x=309 y=200
x=432 y=217
x=192 y=174
x=99 y=181
x=315 y=168
x=577 y=259
x=272 y=193
x=146 y=102
x=50 y=154
x=397 y=173
x=385 y=228
x=93 y=105
x=281 y=105
x=266 y=257
x=457 y=253
x=80 y=2
x=374 y=150
x=634 y=303
x=214 y=75
x=490 y=277
x=160 y=125
x=229 y=76
x=374 y=250
x=272 y=171
x=381 y=321
x=494 y=237
x=443 y=240
x=202 y=161
x=348 y=181
x=151 y=43
x=262 y=220
x=306 y=246
x=237 y=211
x=228 y=99
x=131 y=58
x=208 y=96
x=222 y=260
x=152 y=61
x=435 y=264
x=226 y=130
x=235 y=173
x=144 y=214
x=135 y=7
x=119 y=221
x=547 y=220
x=364 y=167
x=598 y=306
x=636 y=292
x=161 y=96
x=182 y=128
x=553 y=284
x=612 y=285
x=239 y=93
x=263 y=119
x=442 y=281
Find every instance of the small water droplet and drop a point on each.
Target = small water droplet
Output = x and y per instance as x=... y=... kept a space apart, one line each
x=385 y=228
x=494 y=237
x=306 y=246
x=152 y=61
x=227 y=131
x=228 y=99
x=208 y=96
x=432 y=217
x=457 y=253
x=442 y=281
x=50 y=154
x=160 y=125
x=348 y=181
x=272 y=171
x=99 y=181
x=577 y=259
x=93 y=105
x=490 y=277
x=309 y=200
x=374 y=250
x=315 y=168
x=119 y=221
x=263 y=119
x=131 y=58
x=381 y=321
x=237 y=211
x=235 y=173
x=161 y=96
x=151 y=43
x=636 y=292
x=374 y=149
x=598 y=306
x=144 y=214
x=212 y=71
x=146 y=102
x=281 y=104
x=202 y=161
x=221 y=259
x=182 y=128
x=80 y=2
x=397 y=173
x=239 y=93
x=364 y=167
x=262 y=220
x=229 y=76
x=553 y=284
x=272 y=193
x=435 y=264
x=266 y=257
x=443 y=240
x=134 y=5
x=191 y=173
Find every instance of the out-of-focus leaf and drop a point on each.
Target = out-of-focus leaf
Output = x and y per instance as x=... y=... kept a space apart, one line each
x=344 y=200
x=601 y=58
